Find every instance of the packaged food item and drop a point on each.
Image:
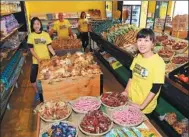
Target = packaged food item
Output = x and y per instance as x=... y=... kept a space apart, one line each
x=3 y=26
x=148 y=133
x=179 y=126
x=95 y=122
x=127 y=116
x=127 y=132
x=112 y=133
x=137 y=132
x=171 y=118
x=113 y=99
x=120 y=133
x=60 y=43
x=62 y=129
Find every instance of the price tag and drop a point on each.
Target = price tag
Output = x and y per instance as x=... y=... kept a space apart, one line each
x=142 y=126
x=116 y=65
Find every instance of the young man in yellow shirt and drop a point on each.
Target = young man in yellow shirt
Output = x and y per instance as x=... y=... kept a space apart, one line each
x=148 y=73
x=62 y=27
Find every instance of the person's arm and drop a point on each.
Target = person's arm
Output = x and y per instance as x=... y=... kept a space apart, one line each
x=51 y=32
x=30 y=43
x=51 y=50
x=79 y=28
x=70 y=32
x=79 y=25
x=89 y=27
x=53 y=29
x=148 y=99
x=70 y=29
x=155 y=89
x=33 y=52
x=49 y=41
x=158 y=80
x=125 y=92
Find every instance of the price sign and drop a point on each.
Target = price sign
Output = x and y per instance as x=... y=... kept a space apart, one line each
x=116 y=65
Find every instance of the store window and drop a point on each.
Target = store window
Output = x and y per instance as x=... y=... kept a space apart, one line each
x=181 y=7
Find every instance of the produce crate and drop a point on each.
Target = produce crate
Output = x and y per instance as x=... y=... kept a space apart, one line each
x=180 y=34
x=181 y=70
x=65 y=51
x=73 y=87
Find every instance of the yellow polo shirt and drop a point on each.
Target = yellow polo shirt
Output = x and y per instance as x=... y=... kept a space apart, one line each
x=146 y=71
x=62 y=28
x=83 y=25
x=40 y=45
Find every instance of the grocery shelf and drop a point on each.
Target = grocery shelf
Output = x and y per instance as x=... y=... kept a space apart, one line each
x=5 y=14
x=176 y=98
x=4 y=103
x=99 y=56
x=5 y=96
x=122 y=56
x=4 y=62
x=169 y=130
x=72 y=18
x=57 y=19
x=11 y=33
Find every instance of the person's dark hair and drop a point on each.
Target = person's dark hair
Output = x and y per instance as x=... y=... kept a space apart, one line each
x=32 y=23
x=82 y=13
x=145 y=32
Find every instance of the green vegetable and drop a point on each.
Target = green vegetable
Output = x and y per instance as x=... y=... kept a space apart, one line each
x=151 y=135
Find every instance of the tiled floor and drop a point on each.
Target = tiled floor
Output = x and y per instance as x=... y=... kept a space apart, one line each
x=20 y=120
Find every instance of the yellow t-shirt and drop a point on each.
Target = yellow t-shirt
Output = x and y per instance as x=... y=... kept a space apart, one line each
x=146 y=71
x=83 y=23
x=40 y=42
x=62 y=28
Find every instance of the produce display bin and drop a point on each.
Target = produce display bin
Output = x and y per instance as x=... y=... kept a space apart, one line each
x=123 y=77
x=122 y=56
x=65 y=51
x=75 y=118
x=181 y=70
x=73 y=87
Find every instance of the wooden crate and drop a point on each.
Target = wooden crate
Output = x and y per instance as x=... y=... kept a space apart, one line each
x=180 y=34
x=73 y=87
x=65 y=51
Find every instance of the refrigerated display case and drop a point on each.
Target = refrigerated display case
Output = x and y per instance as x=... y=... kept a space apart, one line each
x=160 y=15
x=150 y=14
x=157 y=15
x=131 y=12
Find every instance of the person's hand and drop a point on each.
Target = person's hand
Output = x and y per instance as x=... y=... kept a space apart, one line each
x=124 y=93
x=55 y=56
x=71 y=35
x=137 y=106
x=39 y=60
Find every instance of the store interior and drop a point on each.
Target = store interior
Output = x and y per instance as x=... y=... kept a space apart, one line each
x=81 y=89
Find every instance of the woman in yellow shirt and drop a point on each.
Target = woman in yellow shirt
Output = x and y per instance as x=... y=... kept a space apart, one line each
x=84 y=29
x=148 y=73
x=39 y=43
